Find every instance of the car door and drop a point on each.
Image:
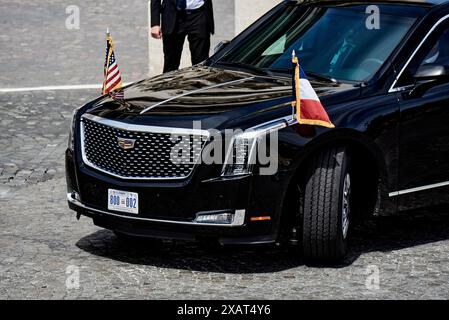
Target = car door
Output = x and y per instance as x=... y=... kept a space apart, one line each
x=423 y=175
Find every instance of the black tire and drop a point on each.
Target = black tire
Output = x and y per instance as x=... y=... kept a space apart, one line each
x=324 y=234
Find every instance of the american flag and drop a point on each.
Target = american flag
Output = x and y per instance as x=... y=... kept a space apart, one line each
x=112 y=83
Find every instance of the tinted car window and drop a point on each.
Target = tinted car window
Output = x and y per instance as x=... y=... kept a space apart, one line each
x=439 y=54
x=330 y=41
x=435 y=50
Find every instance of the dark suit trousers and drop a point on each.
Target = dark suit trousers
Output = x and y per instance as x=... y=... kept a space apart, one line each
x=194 y=27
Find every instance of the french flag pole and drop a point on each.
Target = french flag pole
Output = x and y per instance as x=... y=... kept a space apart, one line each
x=294 y=59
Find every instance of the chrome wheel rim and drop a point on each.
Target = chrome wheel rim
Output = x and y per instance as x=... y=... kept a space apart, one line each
x=346 y=209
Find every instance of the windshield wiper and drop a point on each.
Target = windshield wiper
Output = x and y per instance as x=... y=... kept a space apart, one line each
x=245 y=66
x=321 y=77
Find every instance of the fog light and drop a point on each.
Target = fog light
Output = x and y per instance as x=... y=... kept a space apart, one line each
x=222 y=218
x=225 y=218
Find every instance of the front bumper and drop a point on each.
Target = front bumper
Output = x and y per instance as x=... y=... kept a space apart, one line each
x=168 y=229
x=169 y=210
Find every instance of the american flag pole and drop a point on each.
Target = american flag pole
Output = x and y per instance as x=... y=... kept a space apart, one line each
x=294 y=80
x=106 y=64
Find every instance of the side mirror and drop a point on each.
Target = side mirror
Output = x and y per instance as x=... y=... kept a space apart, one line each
x=427 y=77
x=221 y=45
x=432 y=72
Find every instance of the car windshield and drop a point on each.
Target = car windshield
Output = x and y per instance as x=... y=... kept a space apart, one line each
x=331 y=42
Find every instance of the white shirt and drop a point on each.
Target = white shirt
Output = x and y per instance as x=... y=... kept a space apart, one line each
x=194 y=4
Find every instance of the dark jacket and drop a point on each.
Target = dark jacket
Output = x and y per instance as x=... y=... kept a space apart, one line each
x=165 y=11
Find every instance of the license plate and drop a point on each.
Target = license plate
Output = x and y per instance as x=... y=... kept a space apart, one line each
x=123 y=201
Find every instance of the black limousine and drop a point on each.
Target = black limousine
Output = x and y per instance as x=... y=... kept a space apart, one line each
x=384 y=85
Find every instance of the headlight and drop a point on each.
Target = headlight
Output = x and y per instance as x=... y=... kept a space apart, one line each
x=240 y=157
x=71 y=142
x=242 y=152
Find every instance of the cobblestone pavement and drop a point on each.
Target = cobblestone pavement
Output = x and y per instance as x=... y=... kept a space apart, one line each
x=41 y=240
x=43 y=247
x=33 y=132
x=37 y=49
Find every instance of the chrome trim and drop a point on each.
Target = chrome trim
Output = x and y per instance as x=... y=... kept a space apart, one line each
x=237 y=223
x=143 y=128
x=138 y=128
x=276 y=124
x=398 y=89
x=417 y=189
x=193 y=92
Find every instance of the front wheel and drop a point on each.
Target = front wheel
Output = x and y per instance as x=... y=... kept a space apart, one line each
x=327 y=206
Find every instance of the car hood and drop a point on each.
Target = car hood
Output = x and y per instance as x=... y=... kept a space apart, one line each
x=216 y=97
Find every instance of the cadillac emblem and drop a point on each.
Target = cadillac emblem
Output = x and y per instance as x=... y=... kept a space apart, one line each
x=126 y=143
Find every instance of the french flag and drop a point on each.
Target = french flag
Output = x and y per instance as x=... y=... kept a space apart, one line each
x=309 y=109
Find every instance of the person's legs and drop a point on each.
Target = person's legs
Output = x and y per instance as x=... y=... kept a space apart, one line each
x=199 y=47
x=199 y=36
x=173 y=45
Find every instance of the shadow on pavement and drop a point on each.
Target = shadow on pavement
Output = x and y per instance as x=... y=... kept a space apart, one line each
x=189 y=255
x=382 y=234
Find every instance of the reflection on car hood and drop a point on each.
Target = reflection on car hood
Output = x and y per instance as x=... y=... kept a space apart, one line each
x=203 y=93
